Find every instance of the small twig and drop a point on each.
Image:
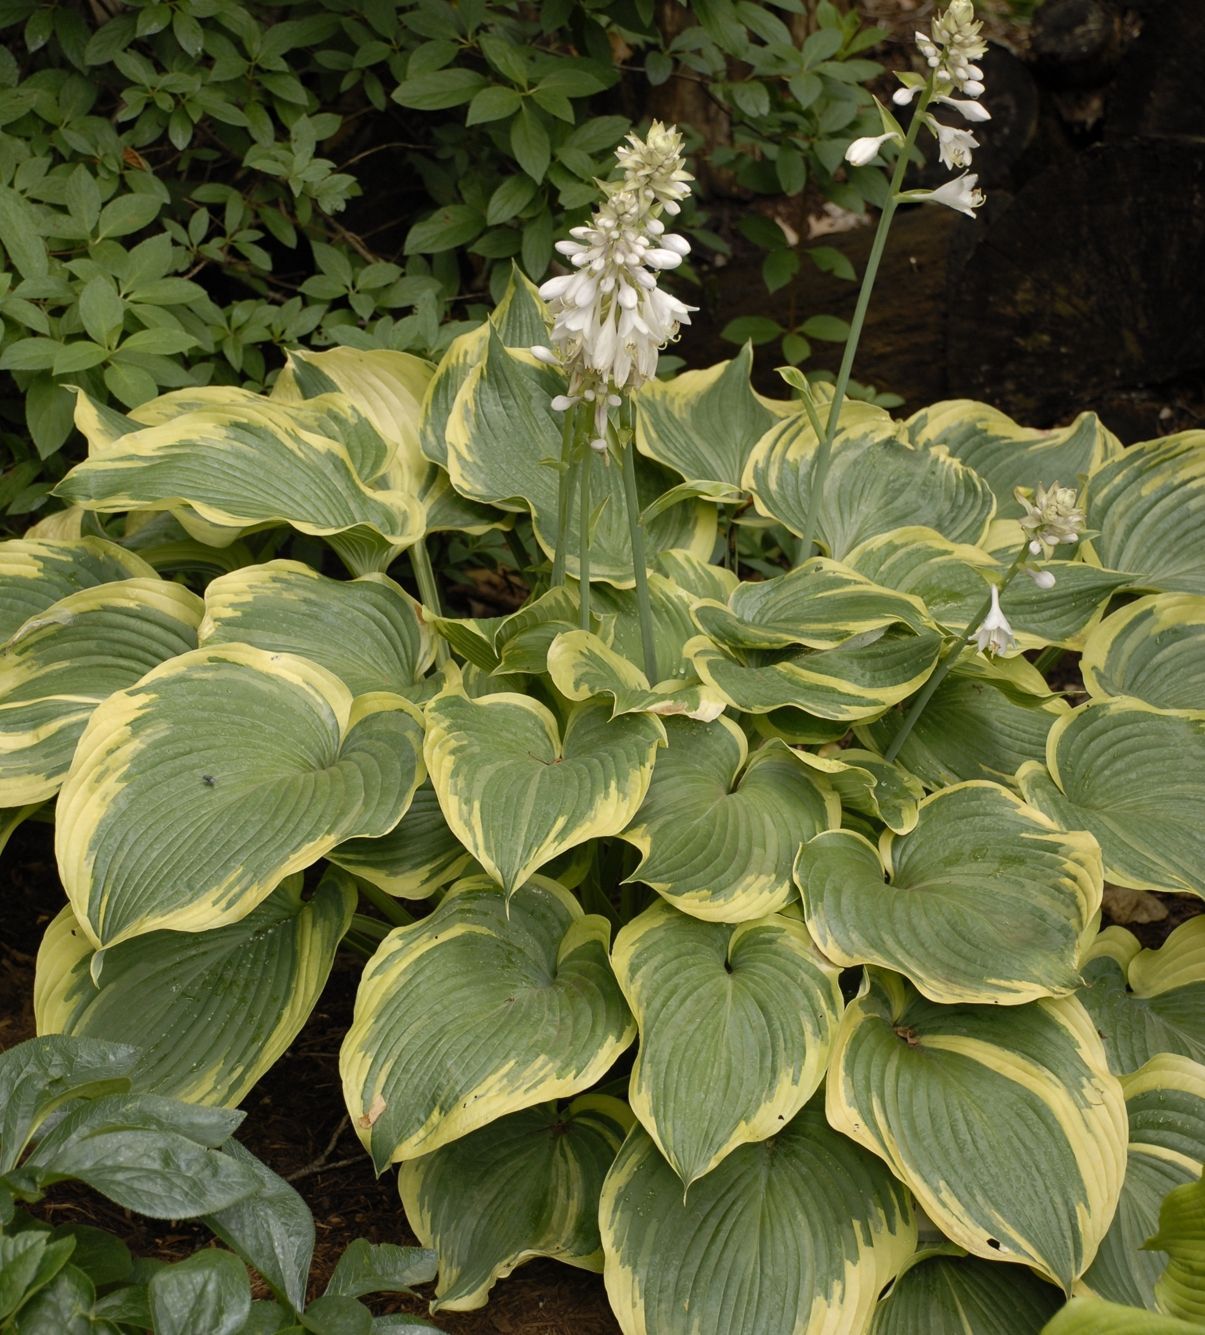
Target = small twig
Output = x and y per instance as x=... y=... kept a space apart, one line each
x=320 y=1164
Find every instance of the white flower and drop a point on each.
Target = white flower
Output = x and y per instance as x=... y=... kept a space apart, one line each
x=995 y=635
x=954 y=145
x=1044 y=579
x=1052 y=516
x=902 y=96
x=863 y=150
x=970 y=111
x=960 y=193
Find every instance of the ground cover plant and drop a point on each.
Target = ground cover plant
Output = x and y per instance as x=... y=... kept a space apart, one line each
x=730 y=909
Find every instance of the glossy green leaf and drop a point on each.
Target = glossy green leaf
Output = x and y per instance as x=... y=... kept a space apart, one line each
x=209 y=1291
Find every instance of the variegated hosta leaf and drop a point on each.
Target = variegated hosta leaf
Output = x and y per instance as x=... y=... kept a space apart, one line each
x=1090 y=1316
x=1144 y=1002
x=35 y=573
x=389 y=388
x=951 y=578
x=718 y=830
x=369 y=632
x=1180 y=1290
x=704 y=423
x=1134 y=777
x=820 y=605
x=519 y=320
x=62 y=662
x=1004 y=1121
x=194 y=793
x=479 y=1010
x=1154 y=650
x=582 y=666
x=386 y=387
x=988 y=900
x=236 y=460
x=1147 y=508
x=516 y=793
x=209 y=1012
x=504 y=447
x=866 y=783
x=483 y=641
x=943 y=1291
x=526 y=1185
x=876 y=482
x=418 y=856
x=1165 y=1101
x=861 y=678
x=1006 y=455
x=735 y=1027
x=794 y=1235
x=984 y=721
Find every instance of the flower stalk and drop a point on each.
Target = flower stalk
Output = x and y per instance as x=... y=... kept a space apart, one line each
x=644 y=603
x=428 y=592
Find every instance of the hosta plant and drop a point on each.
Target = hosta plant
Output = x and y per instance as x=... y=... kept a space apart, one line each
x=735 y=905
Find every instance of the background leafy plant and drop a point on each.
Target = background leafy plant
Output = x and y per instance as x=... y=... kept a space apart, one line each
x=187 y=188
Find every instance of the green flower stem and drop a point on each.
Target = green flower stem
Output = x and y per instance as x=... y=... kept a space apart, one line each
x=385 y=905
x=951 y=657
x=823 y=453
x=639 y=567
x=583 y=538
x=568 y=481
x=420 y=561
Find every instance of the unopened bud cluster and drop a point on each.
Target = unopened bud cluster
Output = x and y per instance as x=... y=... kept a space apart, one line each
x=950 y=48
x=609 y=317
x=1052 y=516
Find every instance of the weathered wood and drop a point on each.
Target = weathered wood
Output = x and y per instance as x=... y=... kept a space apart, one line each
x=1159 y=88
x=1088 y=287
x=1076 y=43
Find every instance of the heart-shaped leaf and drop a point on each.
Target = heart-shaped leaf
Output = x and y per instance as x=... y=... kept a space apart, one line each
x=516 y=793
x=62 y=662
x=746 y=1013
x=796 y=1233
x=987 y=899
x=1154 y=650
x=1004 y=1121
x=719 y=829
x=526 y=1185
x=478 y=1010
x=183 y=811
x=210 y=1012
x=1135 y=777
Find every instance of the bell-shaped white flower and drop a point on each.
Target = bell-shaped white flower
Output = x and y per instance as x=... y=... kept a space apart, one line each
x=970 y=111
x=1052 y=516
x=864 y=150
x=961 y=194
x=995 y=635
x=953 y=145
